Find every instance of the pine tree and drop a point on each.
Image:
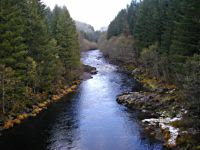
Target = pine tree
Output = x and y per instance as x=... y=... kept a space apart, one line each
x=37 y=37
x=142 y=31
x=31 y=60
x=13 y=49
x=119 y=25
x=50 y=68
x=55 y=14
x=132 y=15
x=187 y=30
x=37 y=40
x=9 y=89
x=13 y=54
x=48 y=18
x=67 y=39
x=172 y=16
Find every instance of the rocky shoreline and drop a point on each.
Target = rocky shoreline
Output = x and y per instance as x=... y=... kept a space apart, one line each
x=88 y=71
x=162 y=114
x=148 y=104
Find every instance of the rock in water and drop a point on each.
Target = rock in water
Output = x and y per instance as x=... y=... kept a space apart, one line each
x=134 y=97
x=89 y=69
x=85 y=76
x=88 y=72
x=94 y=71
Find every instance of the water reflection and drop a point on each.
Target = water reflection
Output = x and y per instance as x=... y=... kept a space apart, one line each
x=102 y=123
x=63 y=134
x=90 y=119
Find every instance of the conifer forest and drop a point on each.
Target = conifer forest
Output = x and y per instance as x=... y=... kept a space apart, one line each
x=132 y=85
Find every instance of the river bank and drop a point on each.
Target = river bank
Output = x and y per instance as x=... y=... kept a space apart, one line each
x=162 y=112
x=10 y=121
x=87 y=119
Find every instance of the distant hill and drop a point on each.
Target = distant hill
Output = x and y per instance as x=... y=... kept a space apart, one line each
x=103 y=29
x=87 y=36
x=84 y=27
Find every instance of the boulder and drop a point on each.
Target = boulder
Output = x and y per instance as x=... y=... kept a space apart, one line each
x=86 y=76
x=93 y=71
x=134 y=97
x=88 y=69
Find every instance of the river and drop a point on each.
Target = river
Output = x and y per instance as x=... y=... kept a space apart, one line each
x=89 y=119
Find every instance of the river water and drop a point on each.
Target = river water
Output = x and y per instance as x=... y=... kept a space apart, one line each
x=89 y=119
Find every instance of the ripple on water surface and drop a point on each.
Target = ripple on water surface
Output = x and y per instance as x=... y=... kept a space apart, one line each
x=90 y=119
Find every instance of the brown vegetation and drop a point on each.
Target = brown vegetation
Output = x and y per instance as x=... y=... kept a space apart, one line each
x=86 y=44
x=36 y=109
x=119 y=48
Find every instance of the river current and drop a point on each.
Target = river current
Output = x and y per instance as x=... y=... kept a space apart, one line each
x=89 y=119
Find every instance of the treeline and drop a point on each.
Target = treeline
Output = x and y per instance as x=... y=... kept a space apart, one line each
x=166 y=42
x=118 y=48
x=88 y=40
x=91 y=36
x=88 y=37
x=39 y=53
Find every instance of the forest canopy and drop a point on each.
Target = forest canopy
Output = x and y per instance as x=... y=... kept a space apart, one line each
x=39 y=53
x=165 y=42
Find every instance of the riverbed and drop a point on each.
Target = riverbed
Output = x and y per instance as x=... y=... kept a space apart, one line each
x=89 y=119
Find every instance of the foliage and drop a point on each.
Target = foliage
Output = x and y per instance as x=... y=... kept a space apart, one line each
x=119 y=25
x=88 y=37
x=118 y=48
x=86 y=44
x=39 y=51
x=166 y=37
x=191 y=82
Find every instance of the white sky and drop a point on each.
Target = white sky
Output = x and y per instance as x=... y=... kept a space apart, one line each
x=97 y=13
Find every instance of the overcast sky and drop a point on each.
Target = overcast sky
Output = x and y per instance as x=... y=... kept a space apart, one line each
x=98 y=13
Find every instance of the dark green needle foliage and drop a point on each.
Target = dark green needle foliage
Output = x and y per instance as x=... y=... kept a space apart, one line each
x=166 y=35
x=39 y=52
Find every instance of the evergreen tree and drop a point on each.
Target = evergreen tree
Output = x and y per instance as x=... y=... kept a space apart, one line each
x=119 y=25
x=172 y=16
x=48 y=18
x=13 y=54
x=67 y=39
x=13 y=49
x=50 y=67
x=132 y=15
x=9 y=89
x=37 y=37
x=31 y=60
x=142 y=31
x=55 y=14
x=151 y=18
x=187 y=29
